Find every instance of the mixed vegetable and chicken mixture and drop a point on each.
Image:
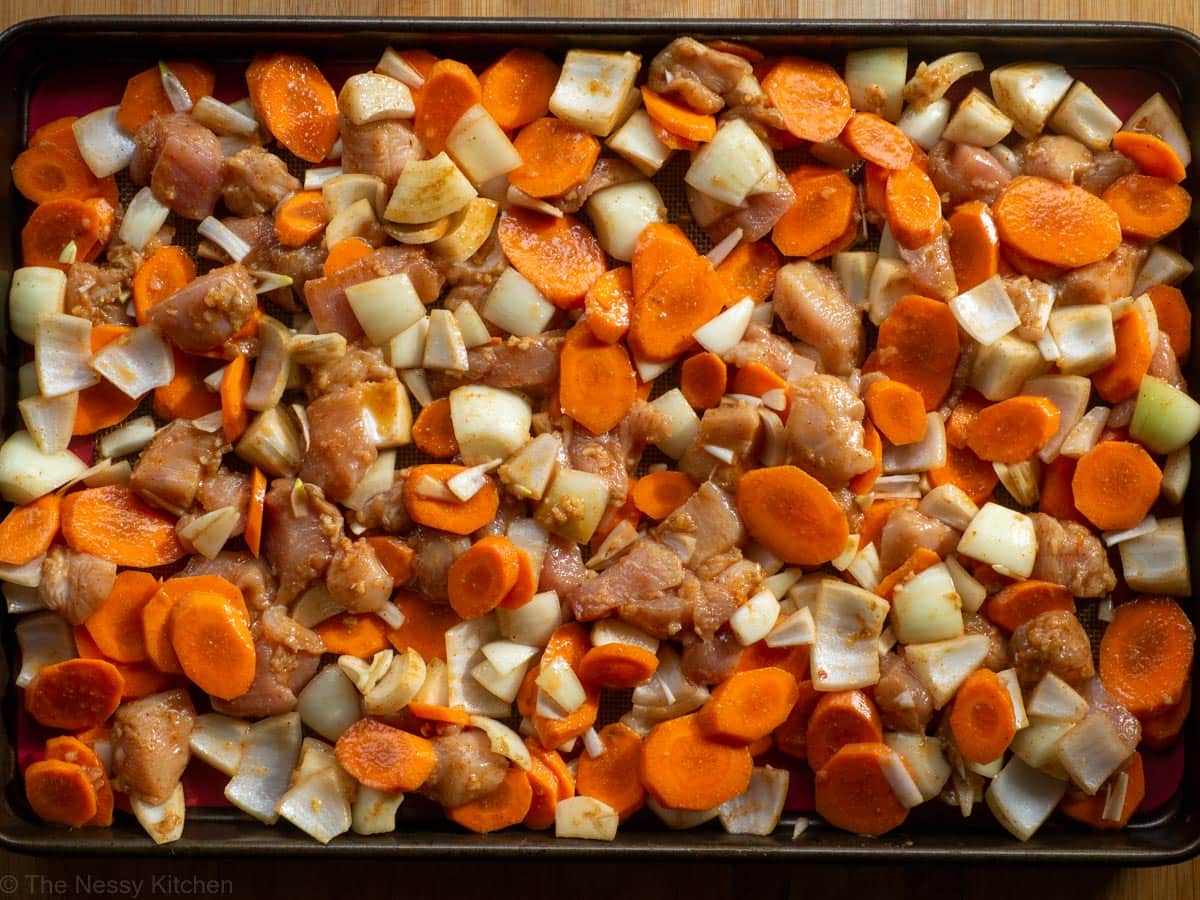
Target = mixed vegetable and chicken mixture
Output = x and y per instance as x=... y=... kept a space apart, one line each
x=430 y=453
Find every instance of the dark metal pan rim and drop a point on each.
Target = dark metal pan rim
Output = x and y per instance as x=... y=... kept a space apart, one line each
x=1173 y=837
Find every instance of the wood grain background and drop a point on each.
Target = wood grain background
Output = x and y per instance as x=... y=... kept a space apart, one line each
x=46 y=878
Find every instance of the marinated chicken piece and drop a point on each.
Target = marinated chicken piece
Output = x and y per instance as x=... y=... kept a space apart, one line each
x=205 y=313
x=170 y=470
x=810 y=302
x=74 y=583
x=1164 y=365
x=1107 y=166
x=267 y=254
x=667 y=614
x=722 y=595
x=480 y=270
x=562 y=566
x=931 y=270
x=434 y=552
x=735 y=427
x=1102 y=282
x=962 y=172
x=1099 y=700
x=904 y=703
x=748 y=102
x=300 y=531
x=600 y=454
x=997 y=659
x=226 y=488
x=1052 y=642
x=358 y=365
x=608 y=172
x=357 y=579
x=250 y=575
x=381 y=149
x=646 y=570
x=256 y=181
x=706 y=525
x=466 y=769
x=150 y=744
x=1033 y=301
x=905 y=530
x=99 y=294
x=697 y=75
x=183 y=163
x=758 y=215
x=280 y=674
x=848 y=501
x=1055 y=156
x=1071 y=555
x=340 y=450
x=326 y=297
x=527 y=364
x=760 y=345
x=385 y=511
x=713 y=660
x=824 y=430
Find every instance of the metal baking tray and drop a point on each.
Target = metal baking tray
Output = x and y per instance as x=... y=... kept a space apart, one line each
x=32 y=51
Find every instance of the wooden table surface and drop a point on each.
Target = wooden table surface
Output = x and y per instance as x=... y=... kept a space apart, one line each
x=35 y=878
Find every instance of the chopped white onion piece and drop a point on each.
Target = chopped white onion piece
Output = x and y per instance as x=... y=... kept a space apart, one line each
x=928 y=453
x=1029 y=92
x=136 y=362
x=727 y=244
x=722 y=333
x=926 y=759
x=316 y=178
x=329 y=703
x=681 y=819
x=721 y=454
x=927 y=607
x=637 y=141
x=944 y=665
x=684 y=423
x=1085 y=338
x=1177 y=471
x=517 y=197
x=374 y=812
x=1114 y=802
x=131 y=437
x=1002 y=538
x=1085 y=117
x=20 y=599
x=144 y=217
x=534 y=622
x=758 y=809
x=595 y=89
x=269 y=754
x=45 y=638
x=489 y=423
x=216 y=231
x=464 y=645
x=876 y=79
x=1147 y=525
x=1156 y=117
x=865 y=567
x=508 y=656
x=1104 y=611
x=467 y=483
x=795 y=630
x=62 y=349
x=163 y=822
x=592 y=744
x=223 y=119
x=617 y=541
x=105 y=146
x=901 y=781
x=970 y=591
x=25 y=575
x=516 y=306
x=985 y=312
x=1092 y=751
x=317 y=805
x=395 y=66
x=397 y=686
x=50 y=420
x=562 y=685
x=1161 y=266
x=1013 y=686
x=585 y=818
x=1086 y=433
x=428 y=189
x=27 y=473
x=1157 y=563
x=217 y=740
x=925 y=124
x=471 y=326
x=729 y=166
x=977 y=121
x=754 y=619
x=933 y=79
x=1021 y=479
x=1055 y=700
x=848 y=621
x=620 y=213
x=35 y=291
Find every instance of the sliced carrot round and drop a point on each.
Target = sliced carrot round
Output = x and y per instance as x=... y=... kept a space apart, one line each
x=1056 y=223
x=1146 y=654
